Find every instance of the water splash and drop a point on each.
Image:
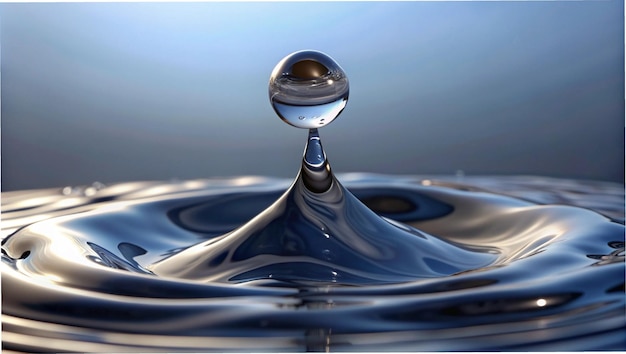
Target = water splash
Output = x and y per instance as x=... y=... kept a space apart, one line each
x=318 y=232
x=88 y=275
x=256 y=264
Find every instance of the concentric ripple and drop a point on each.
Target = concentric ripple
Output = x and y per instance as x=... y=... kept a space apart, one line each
x=496 y=263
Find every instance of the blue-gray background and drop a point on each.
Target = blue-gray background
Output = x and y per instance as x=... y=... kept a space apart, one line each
x=151 y=91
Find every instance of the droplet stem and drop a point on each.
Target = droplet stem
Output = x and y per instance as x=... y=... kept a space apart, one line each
x=316 y=173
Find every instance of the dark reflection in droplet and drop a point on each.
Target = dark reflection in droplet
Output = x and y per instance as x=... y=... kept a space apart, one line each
x=308 y=69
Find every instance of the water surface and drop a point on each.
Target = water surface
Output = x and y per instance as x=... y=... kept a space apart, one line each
x=488 y=263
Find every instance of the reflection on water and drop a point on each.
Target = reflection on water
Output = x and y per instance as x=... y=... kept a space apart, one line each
x=488 y=263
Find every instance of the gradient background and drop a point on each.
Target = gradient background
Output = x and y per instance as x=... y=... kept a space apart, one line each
x=151 y=91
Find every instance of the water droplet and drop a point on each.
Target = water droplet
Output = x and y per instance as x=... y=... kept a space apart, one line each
x=460 y=174
x=68 y=190
x=93 y=189
x=308 y=89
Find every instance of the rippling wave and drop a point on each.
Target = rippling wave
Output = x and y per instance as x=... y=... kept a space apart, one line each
x=484 y=263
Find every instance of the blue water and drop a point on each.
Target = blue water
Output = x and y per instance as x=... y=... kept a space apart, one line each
x=493 y=263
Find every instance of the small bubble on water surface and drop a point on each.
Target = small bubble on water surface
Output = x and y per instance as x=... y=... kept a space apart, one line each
x=68 y=190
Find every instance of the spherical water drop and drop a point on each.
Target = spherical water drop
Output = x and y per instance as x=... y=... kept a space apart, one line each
x=308 y=89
